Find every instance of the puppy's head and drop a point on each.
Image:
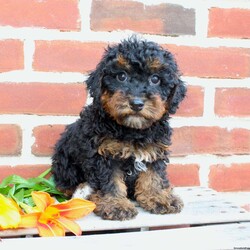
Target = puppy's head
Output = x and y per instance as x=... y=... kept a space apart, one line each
x=136 y=83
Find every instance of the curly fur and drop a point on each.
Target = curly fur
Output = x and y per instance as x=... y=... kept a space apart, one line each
x=126 y=123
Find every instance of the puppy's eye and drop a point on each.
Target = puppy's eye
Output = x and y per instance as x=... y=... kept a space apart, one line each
x=121 y=77
x=154 y=79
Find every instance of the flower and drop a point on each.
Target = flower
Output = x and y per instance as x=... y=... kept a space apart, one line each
x=53 y=219
x=9 y=216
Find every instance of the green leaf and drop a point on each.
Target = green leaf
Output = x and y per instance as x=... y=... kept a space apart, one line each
x=12 y=191
x=26 y=185
x=12 y=179
x=29 y=201
x=61 y=198
x=5 y=190
x=19 y=195
x=46 y=172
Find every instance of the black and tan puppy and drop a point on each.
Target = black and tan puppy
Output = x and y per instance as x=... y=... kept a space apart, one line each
x=118 y=149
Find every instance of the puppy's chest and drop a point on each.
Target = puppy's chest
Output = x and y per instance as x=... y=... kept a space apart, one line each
x=148 y=152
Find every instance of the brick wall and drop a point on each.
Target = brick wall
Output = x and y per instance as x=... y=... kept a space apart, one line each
x=47 y=48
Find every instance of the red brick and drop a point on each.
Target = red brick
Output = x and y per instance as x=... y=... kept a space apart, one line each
x=69 y=56
x=25 y=171
x=230 y=178
x=219 y=62
x=51 y=14
x=232 y=23
x=45 y=139
x=170 y=19
x=11 y=55
x=42 y=98
x=232 y=102
x=193 y=104
x=10 y=139
x=183 y=175
x=210 y=140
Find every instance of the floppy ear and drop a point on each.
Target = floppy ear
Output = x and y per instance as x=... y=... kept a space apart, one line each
x=177 y=95
x=177 y=87
x=94 y=81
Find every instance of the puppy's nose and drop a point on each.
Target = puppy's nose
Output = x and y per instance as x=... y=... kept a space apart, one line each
x=136 y=104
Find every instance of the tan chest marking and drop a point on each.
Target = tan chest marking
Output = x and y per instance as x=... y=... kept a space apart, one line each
x=124 y=150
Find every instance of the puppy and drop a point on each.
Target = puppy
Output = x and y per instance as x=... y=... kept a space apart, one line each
x=117 y=150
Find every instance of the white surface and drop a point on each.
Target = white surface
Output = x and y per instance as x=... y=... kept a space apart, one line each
x=230 y=236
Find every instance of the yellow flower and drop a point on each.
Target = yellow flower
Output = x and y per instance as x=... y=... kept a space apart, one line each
x=53 y=219
x=9 y=216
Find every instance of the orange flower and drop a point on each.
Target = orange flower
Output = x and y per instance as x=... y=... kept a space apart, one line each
x=53 y=219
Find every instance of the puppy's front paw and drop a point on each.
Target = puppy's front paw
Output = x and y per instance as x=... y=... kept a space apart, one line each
x=111 y=208
x=119 y=211
x=160 y=203
x=177 y=203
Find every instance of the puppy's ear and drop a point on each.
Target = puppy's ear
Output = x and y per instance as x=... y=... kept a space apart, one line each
x=94 y=81
x=177 y=95
x=178 y=89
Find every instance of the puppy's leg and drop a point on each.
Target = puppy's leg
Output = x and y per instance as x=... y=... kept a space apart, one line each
x=154 y=195
x=114 y=204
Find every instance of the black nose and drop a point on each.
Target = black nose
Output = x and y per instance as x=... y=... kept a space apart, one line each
x=136 y=104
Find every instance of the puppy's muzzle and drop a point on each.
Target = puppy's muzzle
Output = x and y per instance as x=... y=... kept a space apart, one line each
x=136 y=104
